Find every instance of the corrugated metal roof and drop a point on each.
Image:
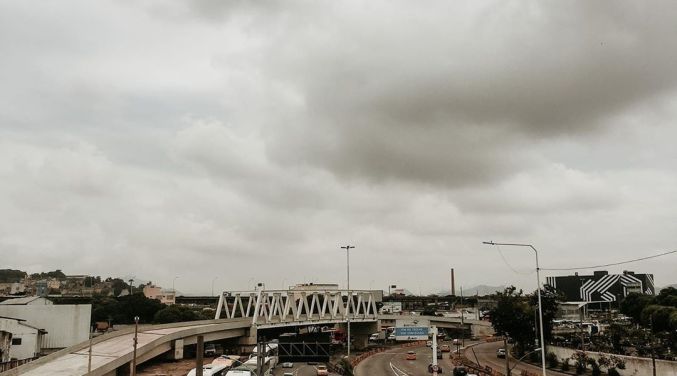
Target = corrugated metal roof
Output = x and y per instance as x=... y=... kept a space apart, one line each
x=25 y=301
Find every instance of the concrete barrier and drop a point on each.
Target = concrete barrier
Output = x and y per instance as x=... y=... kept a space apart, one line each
x=634 y=366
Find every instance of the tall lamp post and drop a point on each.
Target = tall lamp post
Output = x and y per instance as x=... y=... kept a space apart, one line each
x=350 y=297
x=136 y=342
x=538 y=291
x=174 y=284
x=214 y=279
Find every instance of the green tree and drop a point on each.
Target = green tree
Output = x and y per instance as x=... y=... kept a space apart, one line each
x=633 y=304
x=514 y=317
x=11 y=275
x=550 y=300
x=667 y=297
x=175 y=313
x=118 y=285
x=123 y=309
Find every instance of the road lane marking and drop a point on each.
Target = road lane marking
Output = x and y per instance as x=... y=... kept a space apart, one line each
x=397 y=371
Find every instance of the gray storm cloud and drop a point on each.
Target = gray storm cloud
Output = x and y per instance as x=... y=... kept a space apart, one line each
x=194 y=136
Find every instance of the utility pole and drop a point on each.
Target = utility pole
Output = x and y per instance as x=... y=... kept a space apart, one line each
x=507 y=360
x=262 y=348
x=350 y=296
x=89 y=355
x=462 y=323
x=582 y=334
x=200 y=351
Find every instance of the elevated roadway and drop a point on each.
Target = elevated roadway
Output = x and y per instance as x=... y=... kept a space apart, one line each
x=246 y=312
x=114 y=351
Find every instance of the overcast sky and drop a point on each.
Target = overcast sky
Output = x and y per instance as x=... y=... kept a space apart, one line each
x=250 y=140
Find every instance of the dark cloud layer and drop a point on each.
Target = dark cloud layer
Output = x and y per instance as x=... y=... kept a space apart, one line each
x=195 y=136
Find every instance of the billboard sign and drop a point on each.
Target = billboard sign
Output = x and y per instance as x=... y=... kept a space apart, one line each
x=411 y=333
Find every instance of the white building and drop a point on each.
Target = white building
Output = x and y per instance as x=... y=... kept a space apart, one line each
x=26 y=340
x=65 y=324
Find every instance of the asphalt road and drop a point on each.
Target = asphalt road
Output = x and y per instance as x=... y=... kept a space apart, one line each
x=393 y=363
x=486 y=355
x=300 y=369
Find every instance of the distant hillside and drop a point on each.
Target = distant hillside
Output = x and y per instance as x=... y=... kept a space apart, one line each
x=11 y=275
x=480 y=290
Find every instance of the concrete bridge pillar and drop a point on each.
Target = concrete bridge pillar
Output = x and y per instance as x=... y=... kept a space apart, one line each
x=177 y=350
x=361 y=332
x=249 y=340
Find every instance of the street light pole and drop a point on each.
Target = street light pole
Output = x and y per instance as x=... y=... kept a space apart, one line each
x=538 y=291
x=174 y=284
x=136 y=342
x=350 y=297
x=213 y=279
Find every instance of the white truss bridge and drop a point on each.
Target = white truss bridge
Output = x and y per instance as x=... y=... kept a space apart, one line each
x=291 y=307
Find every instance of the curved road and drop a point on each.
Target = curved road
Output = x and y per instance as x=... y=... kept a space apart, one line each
x=486 y=355
x=393 y=363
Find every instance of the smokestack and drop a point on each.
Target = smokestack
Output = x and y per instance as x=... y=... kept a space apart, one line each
x=453 y=283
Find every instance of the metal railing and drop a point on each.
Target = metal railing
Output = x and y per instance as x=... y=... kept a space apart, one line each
x=6 y=366
x=289 y=306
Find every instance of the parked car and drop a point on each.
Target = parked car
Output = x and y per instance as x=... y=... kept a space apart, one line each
x=460 y=371
x=373 y=337
x=392 y=336
x=287 y=365
x=429 y=343
x=322 y=370
x=500 y=353
x=411 y=355
x=456 y=341
x=445 y=348
x=210 y=349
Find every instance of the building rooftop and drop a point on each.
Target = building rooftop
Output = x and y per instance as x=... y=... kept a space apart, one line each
x=25 y=300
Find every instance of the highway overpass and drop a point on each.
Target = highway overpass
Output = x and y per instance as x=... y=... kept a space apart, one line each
x=246 y=312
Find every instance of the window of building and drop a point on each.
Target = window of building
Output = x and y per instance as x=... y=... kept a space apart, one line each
x=16 y=341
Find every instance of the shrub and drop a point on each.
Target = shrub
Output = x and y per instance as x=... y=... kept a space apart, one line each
x=565 y=364
x=580 y=361
x=347 y=367
x=595 y=367
x=553 y=362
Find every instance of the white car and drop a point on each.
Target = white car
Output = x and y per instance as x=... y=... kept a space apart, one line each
x=392 y=337
x=211 y=370
x=287 y=365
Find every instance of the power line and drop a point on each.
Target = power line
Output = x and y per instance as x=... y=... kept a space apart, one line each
x=508 y=264
x=615 y=263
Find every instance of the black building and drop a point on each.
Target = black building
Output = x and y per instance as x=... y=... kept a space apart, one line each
x=602 y=286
